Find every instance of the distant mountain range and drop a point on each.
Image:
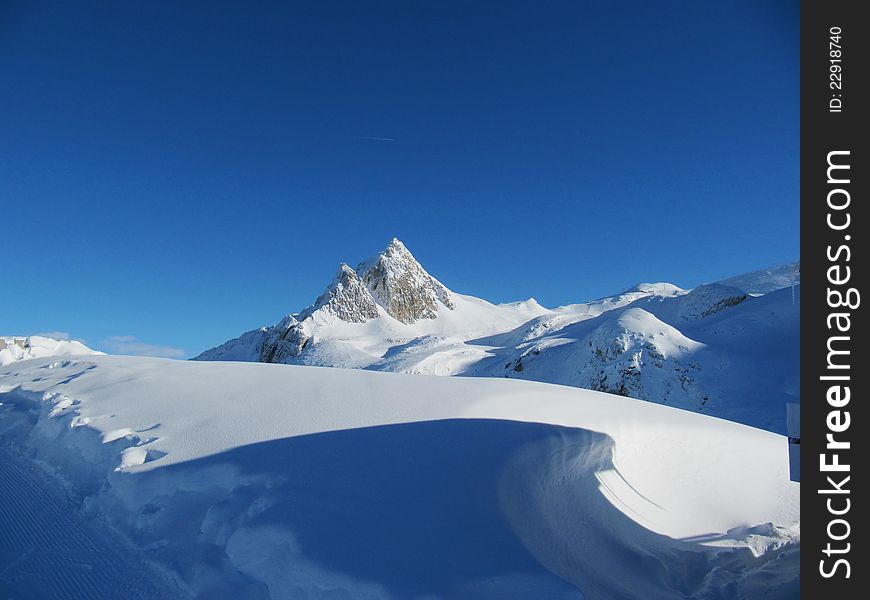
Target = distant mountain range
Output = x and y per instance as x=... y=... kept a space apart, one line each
x=728 y=349
x=16 y=348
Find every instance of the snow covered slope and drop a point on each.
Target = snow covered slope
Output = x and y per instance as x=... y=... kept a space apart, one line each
x=386 y=305
x=22 y=348
x=389 y=314
x=768 y=280
x=695 y=349
x=714 y=350
x=245 y=480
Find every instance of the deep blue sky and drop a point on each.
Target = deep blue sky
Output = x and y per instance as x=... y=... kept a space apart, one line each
x=180 y=172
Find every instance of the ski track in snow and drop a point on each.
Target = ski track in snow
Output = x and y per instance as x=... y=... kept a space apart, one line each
x=49 y=551
x=299 y=482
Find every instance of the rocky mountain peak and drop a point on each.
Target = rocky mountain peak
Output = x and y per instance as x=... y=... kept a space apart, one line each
x=393 y=280
x=396 y=245
x=344 y=271
x=347 y=297
x=402 y=286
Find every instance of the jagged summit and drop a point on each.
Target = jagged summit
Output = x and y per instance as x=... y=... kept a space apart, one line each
x=392 y=280
x=390 y=285
x=402 y=286
x=347 y=298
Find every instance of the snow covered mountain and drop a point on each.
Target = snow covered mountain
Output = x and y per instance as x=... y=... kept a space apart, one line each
x=714 y=349
x=13 y=349
x=720 y=348
x=175 y=479
x=384 y=306
x=767 y=280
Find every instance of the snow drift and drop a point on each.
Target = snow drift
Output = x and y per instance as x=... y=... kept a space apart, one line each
x=245 y=480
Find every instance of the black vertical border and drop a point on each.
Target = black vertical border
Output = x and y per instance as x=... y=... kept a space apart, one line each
x=823 y=131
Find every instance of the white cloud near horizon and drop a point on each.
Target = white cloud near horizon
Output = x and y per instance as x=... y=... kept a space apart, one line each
x=132 y=345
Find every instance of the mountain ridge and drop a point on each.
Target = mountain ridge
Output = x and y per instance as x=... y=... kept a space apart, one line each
x=390 y=314
x=18 y=348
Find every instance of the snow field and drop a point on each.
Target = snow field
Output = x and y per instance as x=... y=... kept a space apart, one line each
x=254 y=480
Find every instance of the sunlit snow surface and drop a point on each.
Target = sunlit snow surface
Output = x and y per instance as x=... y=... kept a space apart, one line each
x=247 y=480
x=13 y=349
x=727 y=349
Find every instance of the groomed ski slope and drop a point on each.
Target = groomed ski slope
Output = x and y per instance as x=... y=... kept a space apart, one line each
x=250 y=480
x=49 y=549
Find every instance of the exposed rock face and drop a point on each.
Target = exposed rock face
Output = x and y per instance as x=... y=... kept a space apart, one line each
x=626 y=365
x=284 y=340
x=393 y=281
x=706 y=300
x=347 y=298
x=399 y=284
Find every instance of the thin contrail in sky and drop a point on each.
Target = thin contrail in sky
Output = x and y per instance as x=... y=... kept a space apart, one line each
x=372 y=138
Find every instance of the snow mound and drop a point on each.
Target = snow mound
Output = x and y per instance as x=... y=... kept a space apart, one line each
x=703 y=301
x=562 y=316
x=628 y=352
x=256 y=480
x=714 y=350
x=13 y=349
